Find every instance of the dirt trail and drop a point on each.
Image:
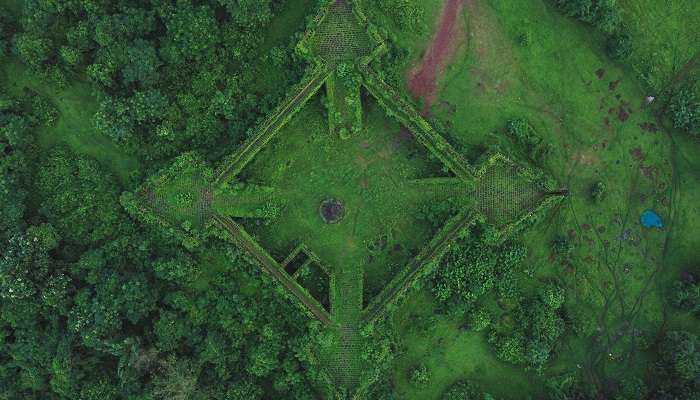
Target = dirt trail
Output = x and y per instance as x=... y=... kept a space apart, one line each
x=422 y=79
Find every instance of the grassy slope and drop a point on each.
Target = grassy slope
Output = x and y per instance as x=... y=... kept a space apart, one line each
x=666 y=35
x=553 y=83
x=76 y=106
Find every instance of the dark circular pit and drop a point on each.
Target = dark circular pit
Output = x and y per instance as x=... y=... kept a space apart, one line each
x=331 y=211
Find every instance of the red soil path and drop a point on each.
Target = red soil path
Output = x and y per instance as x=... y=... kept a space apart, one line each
x=422 y=79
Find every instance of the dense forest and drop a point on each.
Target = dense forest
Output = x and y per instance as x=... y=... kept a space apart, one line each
x=96 y=97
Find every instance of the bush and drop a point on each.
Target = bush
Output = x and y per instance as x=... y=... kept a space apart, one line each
x=552 y=296
x=479 y=320
x=524 y=39
x=420 y=376
x=580 y=9
x=563 y=248
x=598 y=192
x=607 y=16
x=619 y=46
x=680 y=353
x=519 y=128
x=685 y=111
x=686 y=295
x=464 y=390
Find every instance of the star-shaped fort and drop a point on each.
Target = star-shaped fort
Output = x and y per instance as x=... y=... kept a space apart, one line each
x=345 y=194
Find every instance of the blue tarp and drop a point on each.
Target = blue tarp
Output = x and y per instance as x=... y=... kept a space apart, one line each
x=651 y=219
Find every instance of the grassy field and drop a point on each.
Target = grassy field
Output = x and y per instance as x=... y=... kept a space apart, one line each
x=665 y=35
x=372 y=175
x=590 y=110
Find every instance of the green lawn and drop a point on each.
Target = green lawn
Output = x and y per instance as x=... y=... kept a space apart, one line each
x=665 y=35
x=371 y=174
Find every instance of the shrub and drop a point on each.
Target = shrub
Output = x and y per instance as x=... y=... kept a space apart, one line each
x=463 y=390
x=619 y=46
x=519 y=128
x=420 y=376
x=686 y=295
x=525 y=38
x=552 y=296
x=479 y=320
x=680 y=352
x=685 y=111
x=607 y=16
x=563 y=248
x=580 y=9
x=598 y=192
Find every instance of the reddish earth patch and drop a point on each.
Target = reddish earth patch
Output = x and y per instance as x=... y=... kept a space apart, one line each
x=600 y=73
x=586 y=227
x=650 y=172
x=649 y=127
x=572 y=234
x=361 y=162
x=622 y=114
x=613 y=85
x=606 y=122
x=637 y=154
x=422 y=80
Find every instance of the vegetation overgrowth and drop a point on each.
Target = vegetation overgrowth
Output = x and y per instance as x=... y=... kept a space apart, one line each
x=164 y=165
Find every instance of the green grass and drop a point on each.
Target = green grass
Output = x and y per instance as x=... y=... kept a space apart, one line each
x=553 y=83
x=666 y=35
x=413 y=41
x=76 y=106
x=370 y=174
x=451 y=354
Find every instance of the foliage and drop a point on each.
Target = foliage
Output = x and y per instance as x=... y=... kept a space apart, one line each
x=533 y=332
x=598 y=192
x=563 y=248
x=605 y=15
x=684 y=111
x=525 y=135
x=405 y=13
x=465 y=390
x=420 y=376
x=686 y=295
x=680 y=353
x=472 y=267
x=619 y=46
x=78 y=198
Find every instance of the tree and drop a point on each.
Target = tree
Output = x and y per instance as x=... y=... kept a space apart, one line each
x=563 y=248
x=78 y=198
x=680 y=352
x=472 y=267
x=552 y=295
x=33 y=51
x=686 y=295
x=249 y=13
x=685 y=111
x=192 y=32
x=142 y=64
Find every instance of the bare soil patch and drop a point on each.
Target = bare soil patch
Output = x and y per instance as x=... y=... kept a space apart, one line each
x=422 y=80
